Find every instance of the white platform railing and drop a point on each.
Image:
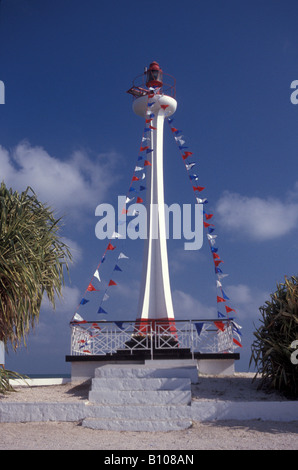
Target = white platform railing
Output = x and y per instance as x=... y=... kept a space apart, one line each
x=108 y=337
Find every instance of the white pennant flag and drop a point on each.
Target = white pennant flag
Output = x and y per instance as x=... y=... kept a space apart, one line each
x=105 y=297
x=129 y=200
x=139 y=168
x=117 y=235
x=96 y=274
x=122 y=255
x=218 y=284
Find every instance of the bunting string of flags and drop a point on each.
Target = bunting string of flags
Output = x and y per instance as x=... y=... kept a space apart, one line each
x=221 y=297
x=135 y=193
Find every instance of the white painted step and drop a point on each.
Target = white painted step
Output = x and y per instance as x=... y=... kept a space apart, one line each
x=136 y=424
x=147 y=412
x=131 y=371
x=116 y=383
x=140 y=397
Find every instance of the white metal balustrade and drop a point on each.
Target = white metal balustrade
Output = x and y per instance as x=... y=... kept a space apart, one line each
x=108 y=337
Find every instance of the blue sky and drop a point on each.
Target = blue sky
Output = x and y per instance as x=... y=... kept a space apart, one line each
x=67 y=129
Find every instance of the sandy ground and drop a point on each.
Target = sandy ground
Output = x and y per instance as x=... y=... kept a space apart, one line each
x=218 y=435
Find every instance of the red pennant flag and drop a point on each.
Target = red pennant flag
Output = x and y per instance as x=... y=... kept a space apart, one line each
x=147 y=163
x=207 y=225
x=198 y=188
x=139 y=199
x=110 y=247
x=215 y=255
x=220 y=299
x=144 y=148
x=135 y=178
x=91 y=288
x=164 y=106
x=219 y=325
x=154 y=128
x=95 y=325
x=186 y=155
x=229 y=309
x=174 y=129
x=208 y=216
x=217 y=262
x=237 y=342
x=112 y=283
x=124 y=211
x=148 y=120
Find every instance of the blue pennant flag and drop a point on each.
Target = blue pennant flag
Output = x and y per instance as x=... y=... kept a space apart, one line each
x=116 y=268
x=142 y=188
x=151 y=104
x=140 y=158
x=182 y=147
x=220 y=315
x=170 y=120
x=119 y=324
x=83 y=301
x=224 y=295
x=101 y=310
x=199 y=327
x=149 y=150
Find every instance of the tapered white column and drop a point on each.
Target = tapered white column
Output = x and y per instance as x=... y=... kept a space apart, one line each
x=155 y=301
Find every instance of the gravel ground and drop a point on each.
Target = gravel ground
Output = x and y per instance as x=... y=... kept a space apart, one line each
x=217 y=435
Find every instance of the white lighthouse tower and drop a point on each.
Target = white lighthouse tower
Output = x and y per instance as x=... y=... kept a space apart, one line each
x=155 y=302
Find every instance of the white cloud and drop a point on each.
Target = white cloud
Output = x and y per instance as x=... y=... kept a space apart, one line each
x=69 y=185
x=246 y=301
x=187 y=307
x=261 y=219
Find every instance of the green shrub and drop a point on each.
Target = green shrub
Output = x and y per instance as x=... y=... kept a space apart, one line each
x=271 y=350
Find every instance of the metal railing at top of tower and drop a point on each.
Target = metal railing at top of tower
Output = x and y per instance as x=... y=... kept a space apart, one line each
x=109 y=337
x=139 y=87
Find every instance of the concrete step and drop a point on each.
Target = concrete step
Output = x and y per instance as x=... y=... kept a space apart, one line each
x=147 y=412
x=136 y=424
x=143 y=371
x=116 y=383
x=140 y=397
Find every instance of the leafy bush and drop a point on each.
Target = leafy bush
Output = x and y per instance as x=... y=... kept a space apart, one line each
x=271 y=350
x=5 y=376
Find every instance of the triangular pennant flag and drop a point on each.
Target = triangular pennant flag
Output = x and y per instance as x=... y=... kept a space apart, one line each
x=198 y=188
x=105 y=297
x=224 y=295
x=135 y=178
x=154 y=128
x=208 y=216
x=207 y=225
x=101 y=310
x=110 y=247
x=220 y=315
x=218 y=283
x=199 y=327
x=142 y=188
x=229 y=309
x=96 y=274
x=144 y=148
x=122 y=255
x=164 y=106
x=149 y=150
x=220 y=325
x=189 y=166
x=78 y=318
x=83 y=301
x=237 y=342
x=119 y=324
x=147 y=163
x=139 y=199
x=112 y=283
x=116 y=268
x=129 y=199
x=138 y=168
x=220 y=299
x=91 y=288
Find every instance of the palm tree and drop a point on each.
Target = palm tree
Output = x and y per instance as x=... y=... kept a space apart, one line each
x=32 y=262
